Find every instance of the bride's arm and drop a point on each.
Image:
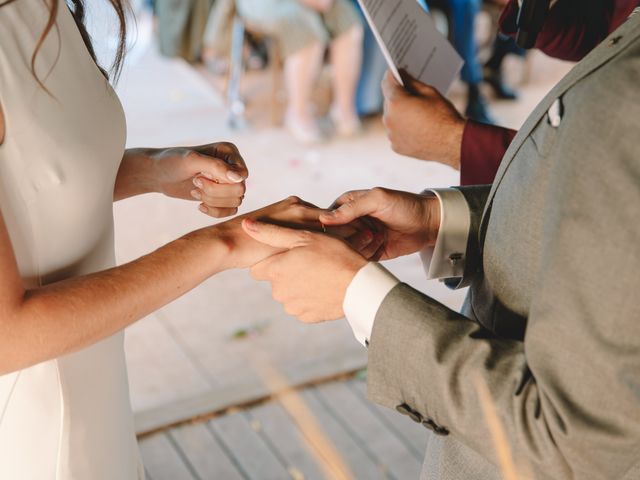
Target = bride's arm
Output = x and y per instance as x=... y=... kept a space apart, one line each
x=47 y=322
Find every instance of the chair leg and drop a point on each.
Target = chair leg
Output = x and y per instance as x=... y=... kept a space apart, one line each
x=234 y=101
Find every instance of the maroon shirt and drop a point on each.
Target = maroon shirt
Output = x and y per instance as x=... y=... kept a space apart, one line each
x=572 y=29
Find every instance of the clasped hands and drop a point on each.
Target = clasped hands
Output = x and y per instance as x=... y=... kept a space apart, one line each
x=310 y=269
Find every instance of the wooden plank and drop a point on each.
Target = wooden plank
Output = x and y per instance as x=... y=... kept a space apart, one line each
x=160 y=372
x=360 y=464
x=413 y=435
x=204 y=453
x=372 y=433
x=223 y=397
x=162 y=460
x=284 y=435
x=247 y=448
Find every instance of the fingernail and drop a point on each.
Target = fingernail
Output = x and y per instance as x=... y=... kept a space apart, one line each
x=197 y=182
x=234 y=176
x=207 y=175
x=203 y=209
x=251 y=225
x=196 y=194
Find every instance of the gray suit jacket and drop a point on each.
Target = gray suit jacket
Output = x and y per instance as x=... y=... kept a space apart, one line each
x=551 y=328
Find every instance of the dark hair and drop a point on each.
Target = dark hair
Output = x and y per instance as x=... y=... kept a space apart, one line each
x=77 y=9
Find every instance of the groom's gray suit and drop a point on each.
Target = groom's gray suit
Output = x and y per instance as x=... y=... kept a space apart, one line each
x=551 y=326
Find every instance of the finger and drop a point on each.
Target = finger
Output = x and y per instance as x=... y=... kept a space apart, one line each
x=360 y=240
x=263 y=270
x=214 y=168
x=216 y=212
x=416 y=87
x=360 y=206
x=274 y=235
x=215 y=189
x=213 y=202
x=346 y=197
x=230 y=154
x=371 y=250
x=391 y=89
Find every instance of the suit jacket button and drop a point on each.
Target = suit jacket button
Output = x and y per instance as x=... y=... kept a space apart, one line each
x=438 y=430
x=441 y=431
x=415 y=416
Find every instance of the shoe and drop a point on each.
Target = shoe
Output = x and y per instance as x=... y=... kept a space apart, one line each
x=305 y=132
x=477 y=108
x=345 y=126
x=494 y=79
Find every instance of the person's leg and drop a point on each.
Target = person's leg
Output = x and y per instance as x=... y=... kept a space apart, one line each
x=301 y=71
x=502 y=46
x=302 y=38
x=346 y=60
x=345 y=26
x=464 y=14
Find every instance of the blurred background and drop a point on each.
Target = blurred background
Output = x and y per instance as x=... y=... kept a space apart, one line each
x=224 y=384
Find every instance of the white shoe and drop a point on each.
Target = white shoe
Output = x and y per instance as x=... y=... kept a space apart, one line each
x=307 y=133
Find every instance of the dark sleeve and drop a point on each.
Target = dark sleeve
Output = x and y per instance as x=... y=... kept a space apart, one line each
x=573 y=27
x=483 y=147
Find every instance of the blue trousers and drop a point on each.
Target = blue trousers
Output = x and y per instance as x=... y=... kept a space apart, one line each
x=463 y=16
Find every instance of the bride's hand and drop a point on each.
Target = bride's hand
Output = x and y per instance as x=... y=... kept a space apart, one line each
x=243 y=252
x=212 y=174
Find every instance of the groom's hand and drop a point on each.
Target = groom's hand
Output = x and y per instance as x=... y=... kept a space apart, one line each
x=406 y=222
x=311 y=275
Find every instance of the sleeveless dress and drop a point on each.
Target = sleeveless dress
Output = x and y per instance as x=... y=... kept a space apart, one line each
x=68 y=418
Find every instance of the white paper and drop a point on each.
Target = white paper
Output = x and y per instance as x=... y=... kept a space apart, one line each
x=409 y=40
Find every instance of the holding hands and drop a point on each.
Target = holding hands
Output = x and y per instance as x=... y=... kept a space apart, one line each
x=312 y=271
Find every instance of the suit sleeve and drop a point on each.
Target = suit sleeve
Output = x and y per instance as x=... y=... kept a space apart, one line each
x=482 y=149
x=568 y=397
x=476 y=198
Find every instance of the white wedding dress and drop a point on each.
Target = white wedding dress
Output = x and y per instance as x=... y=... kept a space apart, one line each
x=68 y=418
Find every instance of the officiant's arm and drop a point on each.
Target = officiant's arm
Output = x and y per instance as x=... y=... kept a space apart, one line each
x=213 y=175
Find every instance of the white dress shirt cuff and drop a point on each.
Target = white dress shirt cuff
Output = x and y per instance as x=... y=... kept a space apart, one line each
x=365 y=294
x=447 y=259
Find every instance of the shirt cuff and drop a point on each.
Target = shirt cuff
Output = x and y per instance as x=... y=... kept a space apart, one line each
x=365 y=294
x=447 y=259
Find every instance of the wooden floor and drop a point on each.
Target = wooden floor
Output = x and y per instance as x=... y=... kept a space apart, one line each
x=275 y=441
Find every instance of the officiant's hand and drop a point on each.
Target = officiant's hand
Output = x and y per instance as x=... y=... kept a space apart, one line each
x=420 y=122
x=311 y=274
x=212 y=174
x=406 y=223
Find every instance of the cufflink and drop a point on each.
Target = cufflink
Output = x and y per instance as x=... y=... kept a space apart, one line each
x=454 y=258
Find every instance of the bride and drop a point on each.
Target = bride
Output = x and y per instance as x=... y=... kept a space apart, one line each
x=64 y=401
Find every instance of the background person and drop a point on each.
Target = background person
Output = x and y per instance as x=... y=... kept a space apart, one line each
x=426 y=126
x=303 y=29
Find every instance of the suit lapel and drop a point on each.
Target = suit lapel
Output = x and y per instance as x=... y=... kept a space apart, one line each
x=602 y=54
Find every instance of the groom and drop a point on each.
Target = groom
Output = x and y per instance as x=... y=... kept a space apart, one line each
x=549 y=338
